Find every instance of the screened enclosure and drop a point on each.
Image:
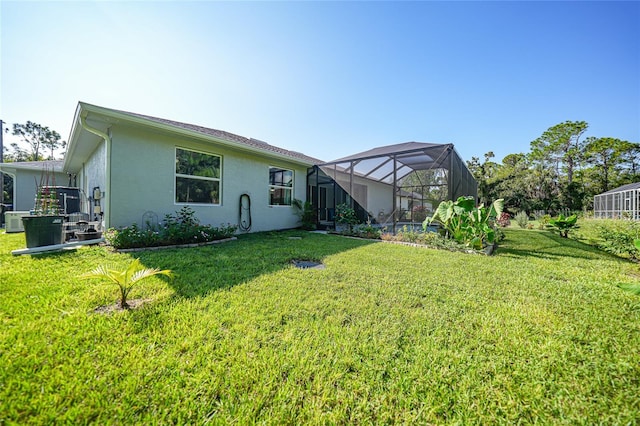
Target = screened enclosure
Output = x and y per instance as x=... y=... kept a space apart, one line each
x=619 y=203
x=390 y=186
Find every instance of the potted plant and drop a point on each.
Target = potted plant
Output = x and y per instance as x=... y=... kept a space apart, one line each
x=45 y=226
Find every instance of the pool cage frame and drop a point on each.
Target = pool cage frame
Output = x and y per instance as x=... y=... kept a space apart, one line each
x=618 y=203
x=390 y=186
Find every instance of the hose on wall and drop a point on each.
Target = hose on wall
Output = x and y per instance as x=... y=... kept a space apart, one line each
x=244 y=213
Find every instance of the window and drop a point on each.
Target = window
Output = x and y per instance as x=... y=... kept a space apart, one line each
x=197 y=177
x=280 y=186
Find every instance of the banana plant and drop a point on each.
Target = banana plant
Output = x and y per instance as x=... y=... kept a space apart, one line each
x=125 y=278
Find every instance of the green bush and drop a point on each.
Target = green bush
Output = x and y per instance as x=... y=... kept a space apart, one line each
x=307 y=214
x=429 y=239
x=543 y=220
x=181 y=227
x=367 y=231
x=563 y=224
x=618 y=239
x=345 y=215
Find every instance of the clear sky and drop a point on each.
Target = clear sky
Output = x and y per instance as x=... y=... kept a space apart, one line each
x=331 y=79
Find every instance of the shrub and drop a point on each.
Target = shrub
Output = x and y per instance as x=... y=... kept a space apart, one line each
x=307 y=214
x=367 y=231
x=429 y=239
x=619 y=239
x=345 y=215
x=132 y=237
x=409 y=235
x=563 y=224
x=419 y=213
x=522 y=219
x=504 y=220
x=543 y=221
x=180 y=228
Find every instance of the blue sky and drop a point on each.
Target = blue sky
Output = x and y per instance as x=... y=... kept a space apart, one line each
x=331 y=78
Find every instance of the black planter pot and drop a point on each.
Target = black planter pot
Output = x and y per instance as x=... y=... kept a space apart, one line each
x=42 y=231
x=88 y=235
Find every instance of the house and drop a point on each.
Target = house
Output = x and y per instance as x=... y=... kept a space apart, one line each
x=131 y=164
x=619 y=203
x=28 y=175
x=132 y=168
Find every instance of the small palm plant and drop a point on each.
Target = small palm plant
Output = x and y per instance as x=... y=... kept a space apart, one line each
x=127 y=278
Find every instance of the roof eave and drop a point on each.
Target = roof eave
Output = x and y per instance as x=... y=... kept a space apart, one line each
x=88 y=108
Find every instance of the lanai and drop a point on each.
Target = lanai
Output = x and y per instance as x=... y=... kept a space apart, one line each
x=390 y=185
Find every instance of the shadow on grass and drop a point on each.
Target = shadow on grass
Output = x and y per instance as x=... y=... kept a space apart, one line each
x=547 y=245
x=199 y=271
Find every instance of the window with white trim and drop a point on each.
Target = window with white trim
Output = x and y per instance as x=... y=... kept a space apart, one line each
x=280 y=186
x=198 y=177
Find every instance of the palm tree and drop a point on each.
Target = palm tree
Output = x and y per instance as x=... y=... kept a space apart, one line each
x=127 y=278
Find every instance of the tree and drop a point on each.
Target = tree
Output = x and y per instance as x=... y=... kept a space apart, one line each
x=606 y=155
x=484 y=173
x=510 y=183
x=561 y=144
x=38 y=139
x=631 y=163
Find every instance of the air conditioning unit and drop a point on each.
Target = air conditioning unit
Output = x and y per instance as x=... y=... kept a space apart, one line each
x=13 y=221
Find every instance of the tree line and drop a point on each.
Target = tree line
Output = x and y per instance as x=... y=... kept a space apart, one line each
x=562 y=171
x=38 y=143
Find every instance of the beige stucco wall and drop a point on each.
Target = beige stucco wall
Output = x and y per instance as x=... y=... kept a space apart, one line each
x=143 y=179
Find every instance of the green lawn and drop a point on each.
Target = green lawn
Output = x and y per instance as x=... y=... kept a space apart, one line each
x=538 y=333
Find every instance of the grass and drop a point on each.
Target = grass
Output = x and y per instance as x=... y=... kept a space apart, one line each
x=538 y=333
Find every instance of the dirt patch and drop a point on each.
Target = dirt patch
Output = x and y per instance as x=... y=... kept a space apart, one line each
x=109 y=309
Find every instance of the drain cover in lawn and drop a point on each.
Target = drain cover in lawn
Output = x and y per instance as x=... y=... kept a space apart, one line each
x=307 y=264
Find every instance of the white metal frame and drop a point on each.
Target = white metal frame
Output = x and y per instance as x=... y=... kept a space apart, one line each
x=617 y=205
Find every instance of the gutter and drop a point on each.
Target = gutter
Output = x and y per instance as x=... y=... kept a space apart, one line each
x=107 y=189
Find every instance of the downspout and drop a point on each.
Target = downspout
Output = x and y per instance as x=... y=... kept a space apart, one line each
x=107 y=189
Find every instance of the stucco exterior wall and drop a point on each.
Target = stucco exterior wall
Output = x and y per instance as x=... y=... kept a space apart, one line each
x=93 y=175
x=143 y=179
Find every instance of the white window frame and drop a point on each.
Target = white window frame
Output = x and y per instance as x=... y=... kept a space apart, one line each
x=177 y=175
x=291 y=188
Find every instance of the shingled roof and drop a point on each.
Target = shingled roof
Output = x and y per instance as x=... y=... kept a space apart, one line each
x=226 y=136
x=627 y=187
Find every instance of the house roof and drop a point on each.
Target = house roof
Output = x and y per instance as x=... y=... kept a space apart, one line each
x=50 y=165
x=626 y=187
x=227 y=136
x=103 y=117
